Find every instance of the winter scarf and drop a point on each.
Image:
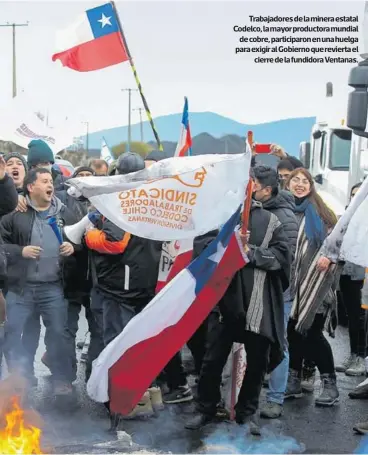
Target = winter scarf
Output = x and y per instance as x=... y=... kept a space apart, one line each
x=315 y=230
x=313 y=289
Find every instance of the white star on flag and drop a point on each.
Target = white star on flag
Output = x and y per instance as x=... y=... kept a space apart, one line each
x=104 y=20
x=216 y=257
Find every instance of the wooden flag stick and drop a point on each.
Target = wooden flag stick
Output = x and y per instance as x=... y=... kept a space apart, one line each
x=139 y=85
x=244 y=229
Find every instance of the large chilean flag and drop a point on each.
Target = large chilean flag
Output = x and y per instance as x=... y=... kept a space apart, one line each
x=93 y=42
x=128 y=365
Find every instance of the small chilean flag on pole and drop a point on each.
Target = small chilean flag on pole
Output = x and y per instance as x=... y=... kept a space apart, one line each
x=93 y=42
x=185 y=140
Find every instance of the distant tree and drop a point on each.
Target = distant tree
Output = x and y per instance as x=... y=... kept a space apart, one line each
x=11 y=147
x=137 y=147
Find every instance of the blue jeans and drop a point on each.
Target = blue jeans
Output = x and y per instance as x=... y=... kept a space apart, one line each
x=48 y=301
x=278 y=378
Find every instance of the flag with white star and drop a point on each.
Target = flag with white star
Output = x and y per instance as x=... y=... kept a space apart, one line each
x=94 y=41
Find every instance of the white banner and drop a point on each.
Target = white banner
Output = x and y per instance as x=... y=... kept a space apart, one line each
x=174 y=199
x=355 y=245
x=21 y=125
x=348 y=240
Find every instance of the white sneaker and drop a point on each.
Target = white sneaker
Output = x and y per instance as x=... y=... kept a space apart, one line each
x=357 y=367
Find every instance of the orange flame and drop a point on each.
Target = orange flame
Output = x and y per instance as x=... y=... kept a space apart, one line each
x=18 y=437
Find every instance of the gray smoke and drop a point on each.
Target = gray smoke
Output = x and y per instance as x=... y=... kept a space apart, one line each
x=236 y=439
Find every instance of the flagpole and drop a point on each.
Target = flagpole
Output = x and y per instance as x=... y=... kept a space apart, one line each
x=244 y=229
x=139 y=85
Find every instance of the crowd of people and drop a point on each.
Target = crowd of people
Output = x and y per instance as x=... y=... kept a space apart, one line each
x=279 y=306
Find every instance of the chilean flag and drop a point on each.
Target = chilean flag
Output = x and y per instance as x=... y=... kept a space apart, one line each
x=175 y=257
x=129 y=364
x=185 y=140
x=93 y=42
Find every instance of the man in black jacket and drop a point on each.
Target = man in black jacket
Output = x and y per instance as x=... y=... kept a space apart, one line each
x=251 y=312
x=35 y=268
x=281 y=204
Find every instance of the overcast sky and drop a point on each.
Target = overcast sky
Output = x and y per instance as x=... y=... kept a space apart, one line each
x=180 y=48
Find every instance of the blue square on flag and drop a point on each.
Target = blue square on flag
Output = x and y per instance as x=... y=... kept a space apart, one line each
x=102 y=20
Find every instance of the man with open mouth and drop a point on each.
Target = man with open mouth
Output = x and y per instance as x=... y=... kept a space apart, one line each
x=16 y=168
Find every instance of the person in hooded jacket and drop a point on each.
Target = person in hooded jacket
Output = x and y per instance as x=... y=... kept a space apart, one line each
x=41 y=155
x=16 y=168
x=77 y=283
x=37 y=262
x=251 y=312
x=126 y=268
x=281 y=204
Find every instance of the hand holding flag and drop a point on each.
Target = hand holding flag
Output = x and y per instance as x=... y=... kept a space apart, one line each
x=54 y=226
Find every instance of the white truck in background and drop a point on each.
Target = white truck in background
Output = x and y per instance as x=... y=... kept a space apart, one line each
x=337 y=154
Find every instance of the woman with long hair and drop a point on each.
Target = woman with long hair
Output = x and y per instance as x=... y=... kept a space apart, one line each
x=315 y=301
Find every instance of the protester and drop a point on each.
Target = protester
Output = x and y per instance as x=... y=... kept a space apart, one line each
x=285 y=168
x=251 y=312
x=8 y=202
x=351 y=283
x=83 y=171
x=281 y=204
x=8 y=192
x=361 y=390
x=78 y=285
x=126 y=268
x=41 y=155
x=315 y=302
x=16 y=168
x=34 y=278
x=99 y=167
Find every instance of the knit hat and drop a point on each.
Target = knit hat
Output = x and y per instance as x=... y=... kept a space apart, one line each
x=39 y=152
x=17 y=155
x=83 y=169
x=129 y=162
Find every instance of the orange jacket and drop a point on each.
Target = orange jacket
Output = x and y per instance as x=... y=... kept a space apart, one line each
x=97 y=239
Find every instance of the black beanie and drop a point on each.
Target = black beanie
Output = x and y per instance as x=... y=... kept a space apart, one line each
x=17 y=155
x=129 y=162
x=83 y=169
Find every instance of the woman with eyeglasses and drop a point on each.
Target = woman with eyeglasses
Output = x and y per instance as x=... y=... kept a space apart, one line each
x=315 y=301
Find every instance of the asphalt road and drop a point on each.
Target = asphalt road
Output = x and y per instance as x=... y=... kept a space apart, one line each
x=303 y=428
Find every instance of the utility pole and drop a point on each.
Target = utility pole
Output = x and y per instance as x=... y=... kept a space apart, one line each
x=14 y=54
x=129 y=90
x=140 y=109
x=87 y=136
